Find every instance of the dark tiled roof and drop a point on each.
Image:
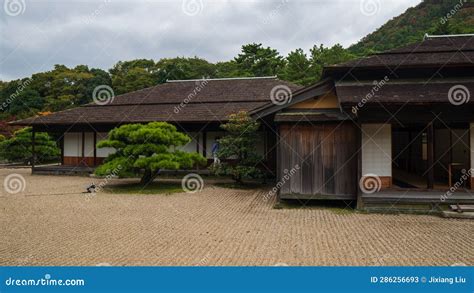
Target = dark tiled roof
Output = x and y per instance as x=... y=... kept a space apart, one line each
x=434 y=91
x=206 y=101
x=447 y=51
x=203 y=91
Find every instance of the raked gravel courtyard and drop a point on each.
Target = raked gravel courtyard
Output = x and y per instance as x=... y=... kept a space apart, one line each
x=52 y=223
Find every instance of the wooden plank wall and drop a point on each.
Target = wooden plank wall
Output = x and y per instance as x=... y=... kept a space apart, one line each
x=326 y=155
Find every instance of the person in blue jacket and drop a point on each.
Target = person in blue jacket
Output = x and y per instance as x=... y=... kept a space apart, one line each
x=215 y=151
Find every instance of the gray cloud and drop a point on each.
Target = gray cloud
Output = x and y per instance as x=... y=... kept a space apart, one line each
x=100 y=33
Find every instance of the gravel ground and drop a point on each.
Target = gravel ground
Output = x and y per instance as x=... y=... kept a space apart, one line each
x=52 y=223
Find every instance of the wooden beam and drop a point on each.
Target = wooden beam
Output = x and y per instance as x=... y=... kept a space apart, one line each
x=430 y=152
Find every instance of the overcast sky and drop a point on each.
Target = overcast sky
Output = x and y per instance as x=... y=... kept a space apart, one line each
x=35 y=35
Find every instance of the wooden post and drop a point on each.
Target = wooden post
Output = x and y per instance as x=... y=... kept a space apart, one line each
x=430 y=153
x=33 y=152
x=359 y=200
x=83 y=148
x=204 y=140
x=62 y=148
x=95 y=148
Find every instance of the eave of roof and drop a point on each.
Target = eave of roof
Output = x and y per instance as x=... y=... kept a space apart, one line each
x=214 y=101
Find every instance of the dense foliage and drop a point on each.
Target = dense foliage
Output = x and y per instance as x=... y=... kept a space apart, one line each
x=18 y=148
x=148 y=147
x=238 y=148
x=430 y=16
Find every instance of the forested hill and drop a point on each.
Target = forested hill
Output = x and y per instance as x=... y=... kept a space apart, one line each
x=430 y=16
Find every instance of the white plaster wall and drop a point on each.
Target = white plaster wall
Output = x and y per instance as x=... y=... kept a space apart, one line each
x=471 y=131
x=377 y=149
x=89 y=144
x=103 y=152
x=192 y=145
x=73 y=144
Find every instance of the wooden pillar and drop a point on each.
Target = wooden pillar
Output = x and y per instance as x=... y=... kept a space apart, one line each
x=359 y=200
x=278 y=157
x=95 y=148
x=62 y=148
x=204 y=141
x=33 y=151
x=430 y=153
x=83 y=148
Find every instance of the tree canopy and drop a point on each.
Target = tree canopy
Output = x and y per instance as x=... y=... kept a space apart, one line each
x=239 y=145
x=149 y=147
x=18 y=148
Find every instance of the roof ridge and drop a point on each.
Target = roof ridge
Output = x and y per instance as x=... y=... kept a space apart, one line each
x=224 y=78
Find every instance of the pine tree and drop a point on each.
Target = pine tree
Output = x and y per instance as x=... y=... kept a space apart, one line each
x=239 y=146
x=149 y=147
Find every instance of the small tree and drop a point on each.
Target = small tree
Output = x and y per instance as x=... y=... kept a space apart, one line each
x=18 y=148
x=239 y=146
x=149 y=147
